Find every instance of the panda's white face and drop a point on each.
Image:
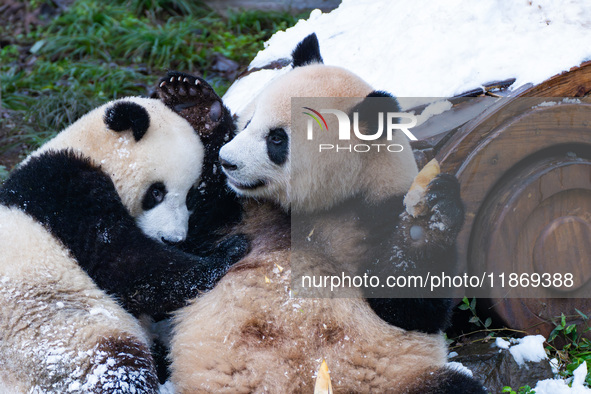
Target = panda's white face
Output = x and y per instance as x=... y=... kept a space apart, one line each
x=154 y=165
x=257 y=160
x=269 y=160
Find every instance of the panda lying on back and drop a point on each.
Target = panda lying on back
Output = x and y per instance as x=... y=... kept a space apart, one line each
x=76 y=219
x=249 y=334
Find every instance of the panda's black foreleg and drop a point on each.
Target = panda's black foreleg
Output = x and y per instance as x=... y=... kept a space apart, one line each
x=79 y=205
x=159 y=292
x=420 y=245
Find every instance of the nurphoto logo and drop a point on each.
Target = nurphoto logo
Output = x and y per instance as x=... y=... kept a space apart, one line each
x=394 y=121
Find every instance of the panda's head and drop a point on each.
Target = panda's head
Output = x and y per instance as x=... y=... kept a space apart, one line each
x=263 y=160
x=153 y=156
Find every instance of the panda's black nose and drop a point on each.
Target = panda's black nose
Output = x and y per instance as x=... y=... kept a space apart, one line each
x=228 y=166
x=171 y=243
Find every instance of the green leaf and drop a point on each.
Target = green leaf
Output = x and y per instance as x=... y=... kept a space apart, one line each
x=487 y=322
x=571 y=328
x=582 y=314
x=35 y=48
x=463 y=307
x=554 y=333
x=473 y=303
x=474 y=319
x=562 y=320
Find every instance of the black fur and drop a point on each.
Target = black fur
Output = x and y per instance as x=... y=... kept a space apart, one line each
x=369 y=109
x=214 y=205
x=307 y=52
x=429 y=315
x=448 y=381
x=79 y=204
x=435 y=251
x=278 y=146
x=127 y=115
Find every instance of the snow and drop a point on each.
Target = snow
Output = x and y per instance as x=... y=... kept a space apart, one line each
x=435 y=49
x=529 y=348
x=101 y=311
x=503 y=344
x=559 y=386
x=433 y=109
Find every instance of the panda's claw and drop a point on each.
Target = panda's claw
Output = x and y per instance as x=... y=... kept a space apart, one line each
x=162 y=84
x=215 y=112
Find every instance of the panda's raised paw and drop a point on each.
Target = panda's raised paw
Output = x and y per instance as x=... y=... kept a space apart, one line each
x=193 y=98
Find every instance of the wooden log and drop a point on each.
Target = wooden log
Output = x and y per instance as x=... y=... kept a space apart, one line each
x=525 y=174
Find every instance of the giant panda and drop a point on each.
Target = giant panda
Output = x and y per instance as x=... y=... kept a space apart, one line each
x=251 y=333
x=85 y=227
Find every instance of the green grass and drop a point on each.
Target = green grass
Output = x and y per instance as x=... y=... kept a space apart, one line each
x=98 y=51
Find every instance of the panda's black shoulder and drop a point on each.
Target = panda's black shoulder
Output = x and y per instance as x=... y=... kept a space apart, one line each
x=60 y=189
x=51 y=174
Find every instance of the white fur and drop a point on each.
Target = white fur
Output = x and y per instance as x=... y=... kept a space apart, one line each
x=309 y=181
x=53 y=318
x=168 y=220
x=170 y=152
x=251 y=333
x=58 y=331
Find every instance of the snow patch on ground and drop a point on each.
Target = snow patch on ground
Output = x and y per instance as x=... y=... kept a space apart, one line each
x=559 y=386
x=529 y=348
x=435 y=49
x=503 y=344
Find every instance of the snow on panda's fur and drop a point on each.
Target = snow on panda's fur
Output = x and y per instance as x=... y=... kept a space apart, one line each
x=250 y=334
x=73 y=223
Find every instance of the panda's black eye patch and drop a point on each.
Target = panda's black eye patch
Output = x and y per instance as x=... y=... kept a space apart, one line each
x=154 y=196
x=277 y=146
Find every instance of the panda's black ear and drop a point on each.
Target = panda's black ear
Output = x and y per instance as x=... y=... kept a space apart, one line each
x=374 y=103
x=307 y=52
x=127 y=115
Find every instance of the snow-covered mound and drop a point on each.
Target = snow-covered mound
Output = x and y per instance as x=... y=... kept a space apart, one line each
x=425 y=48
